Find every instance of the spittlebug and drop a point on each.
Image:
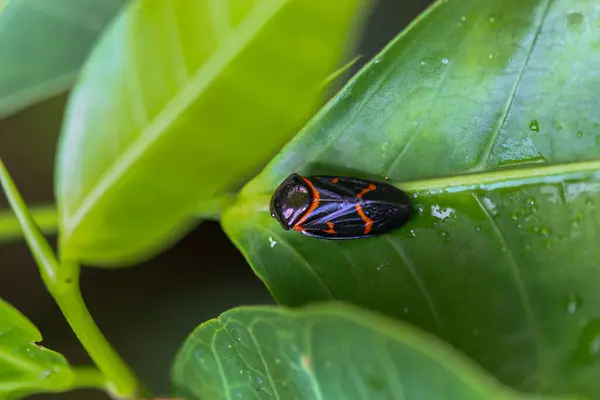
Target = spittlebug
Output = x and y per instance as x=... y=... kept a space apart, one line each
x=337 y=207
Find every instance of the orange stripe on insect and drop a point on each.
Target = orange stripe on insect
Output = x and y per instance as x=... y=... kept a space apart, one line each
x=330 y=230
x=314 y=205
x=368 y=221
x=368 y=189
x=335 y=180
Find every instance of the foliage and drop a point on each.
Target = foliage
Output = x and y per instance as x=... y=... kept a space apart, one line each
x=484 y=112
x=31 y=70
x=479 y=112
x=138 y=122
x=26 y=367
x=326 y=351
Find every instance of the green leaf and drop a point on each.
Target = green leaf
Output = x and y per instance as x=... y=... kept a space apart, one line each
x=331 y=351
x=62 y=281
x=25 y=366
x=182 y=102
x=43 y=44
x=486 y=113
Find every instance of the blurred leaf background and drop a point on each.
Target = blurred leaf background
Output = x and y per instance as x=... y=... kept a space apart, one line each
x=145 y=311
x=42 y=45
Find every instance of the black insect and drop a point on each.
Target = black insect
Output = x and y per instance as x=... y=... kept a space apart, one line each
x=337 y=207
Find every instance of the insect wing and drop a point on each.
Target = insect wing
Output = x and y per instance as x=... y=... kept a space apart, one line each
x=347 y=222
x=333 y=220
x=353 y=208
x=339 y=188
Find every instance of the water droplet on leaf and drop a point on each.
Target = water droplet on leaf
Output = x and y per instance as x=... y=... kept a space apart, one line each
x=588 y=345
x=573 y=303
x=445 y=61
x=575 y=19
x=557 y=126
x=534 y=126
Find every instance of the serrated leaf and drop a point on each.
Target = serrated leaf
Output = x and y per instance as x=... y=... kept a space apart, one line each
x=43 y=44
x=26 y=367
x=329 y=351
x=180 y=103
x=486 y=113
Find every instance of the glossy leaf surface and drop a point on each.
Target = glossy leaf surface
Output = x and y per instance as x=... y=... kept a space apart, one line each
x=180 y=102
x=278 y=353
x=487 y=114
x=26 y=367
x=43 y=45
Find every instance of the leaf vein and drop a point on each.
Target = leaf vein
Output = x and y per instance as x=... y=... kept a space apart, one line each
x=481 y=163
x=265 y=364
x=218 y=360
x=514 y=269
x=314 y=383
x=433 y=97
x=411 y=268
x=181 y=72
x=301 y=257
x=20 y=362
x=201 y=79
x=219 y=18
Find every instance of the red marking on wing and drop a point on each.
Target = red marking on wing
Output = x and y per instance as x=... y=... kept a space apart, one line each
x=314 y=205
x=335 y=180
x=330 y=230
x=368 y=189
x=368 y=221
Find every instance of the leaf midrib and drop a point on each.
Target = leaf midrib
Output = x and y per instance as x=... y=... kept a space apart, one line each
x=501 y=178
x=490 y=180
x=239 y=39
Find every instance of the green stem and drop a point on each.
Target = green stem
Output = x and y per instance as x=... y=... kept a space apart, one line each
x=120 y=380
x=45 y=217
x=62 y=281
x=88 y=377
